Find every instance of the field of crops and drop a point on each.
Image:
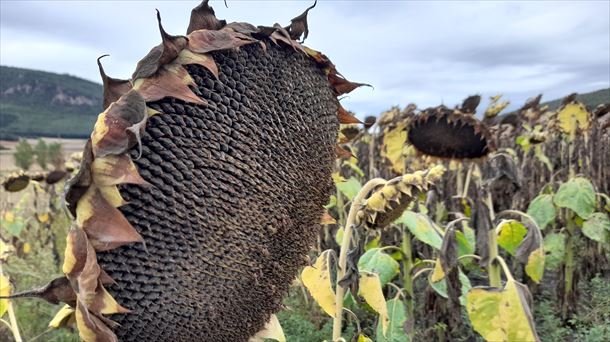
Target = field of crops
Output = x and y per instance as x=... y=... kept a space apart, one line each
x=512 y=245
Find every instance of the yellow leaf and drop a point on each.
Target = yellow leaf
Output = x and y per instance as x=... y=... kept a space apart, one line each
x=43 y=218
x=394 y=142
x=9 y=217
x=501 y=314
x=27 y=248
x=337 y=178
x=363 y=338
x=573 y=117
x=317 y=280
x=437 y=274
x=535 y=265
x=5 y=290
x=62 y=317
x=371 y=291
x=272 y=330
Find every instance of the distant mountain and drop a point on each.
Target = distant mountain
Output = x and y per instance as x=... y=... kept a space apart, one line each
x=38 y=103
x=592 y=99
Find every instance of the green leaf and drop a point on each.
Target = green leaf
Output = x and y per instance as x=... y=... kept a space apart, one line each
x=13 y=225
x=555 y=249
x=597 y=228
x=511 y=234
x=420 y=226
x=440 y=287
x=376 y=261
x=535 y=264
x=349 y=188
x=578 y=195
x=464 y=245
x=502 y=314
x=542 y=210
x=397 y=314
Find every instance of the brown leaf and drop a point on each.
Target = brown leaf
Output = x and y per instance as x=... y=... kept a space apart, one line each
x=244 y=28
x=77 y=186
x=105 y=225
x=86 y=281
x=204 y=41
x=114 y=170
x=482 y=224
x=75 y=255
x=343 y=153
x=320 y=58
x=168 y=84
x=298 y=25
x=114 y=88
x=161 y=54
x=56 y=291
x=90 y=327
x=110 y=134
x=340 y=85
x=346 y=117
x=282 y=35
x=204 y=18
x=102 y=302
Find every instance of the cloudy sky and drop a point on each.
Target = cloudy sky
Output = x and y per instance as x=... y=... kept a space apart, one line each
x=426 y=52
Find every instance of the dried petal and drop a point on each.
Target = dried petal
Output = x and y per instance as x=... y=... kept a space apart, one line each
x=188 y=57
x=114 y=170
x=90 y=327
x=204 y=41
x=340 y=85
x=346 y=117
x=168 y=84
x=78 y=185
x=75 y=255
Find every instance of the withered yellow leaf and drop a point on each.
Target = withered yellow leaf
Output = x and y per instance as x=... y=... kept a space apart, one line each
x=317 y=279
x=371 y=291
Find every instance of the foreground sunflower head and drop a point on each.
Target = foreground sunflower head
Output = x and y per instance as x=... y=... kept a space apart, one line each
x=201 y=188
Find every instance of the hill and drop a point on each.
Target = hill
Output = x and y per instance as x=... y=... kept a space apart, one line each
x=37 y=103
x=592 y=99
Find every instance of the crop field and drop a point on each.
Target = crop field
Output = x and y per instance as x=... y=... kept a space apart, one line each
x=225 y=194
x=526 y=225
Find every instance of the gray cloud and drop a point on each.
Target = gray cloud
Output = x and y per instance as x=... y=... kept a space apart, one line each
x=412 y=51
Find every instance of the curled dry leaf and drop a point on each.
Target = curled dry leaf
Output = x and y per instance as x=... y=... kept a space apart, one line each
x=77 y=186
x=114 y=170
x=298 y=26
x=204 y=18
x=346 y=117
x=63 y=318
x=92 y=328
x=161 y=54
x=114 y=88
x=57 y=291
x=188 y=57
x=110 y=135
x=470 y=104
x=342 y=86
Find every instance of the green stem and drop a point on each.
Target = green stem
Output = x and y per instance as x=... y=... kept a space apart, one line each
x=493 y=269
x=407 y=262
x=568 y=269
x=345 y=244
x=13 y=319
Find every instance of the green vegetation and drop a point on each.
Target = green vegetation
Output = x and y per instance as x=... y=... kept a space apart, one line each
x=24 y=155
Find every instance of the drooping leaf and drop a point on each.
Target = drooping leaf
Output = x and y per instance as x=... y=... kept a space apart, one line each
x=597 y=228
x=204 y=18
x=502 y=314
x=161 y=54
x=397 y=316
x=437 y=273
x=394 y=142
x=317 y=279
x=535 y=264
x=531 y=242
x=440 y=287
x=272 y=330
x=349 y=188
x=56 y=291
x=114 y=88
x=578 y=195
x=372 y=292
x=376 y=261
x=542 y=210
x=554 y=248
x=511 y=234
x=481 y=219
x=420 y=226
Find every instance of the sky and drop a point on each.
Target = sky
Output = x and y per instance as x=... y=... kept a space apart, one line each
x=422 y=52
